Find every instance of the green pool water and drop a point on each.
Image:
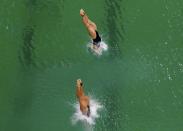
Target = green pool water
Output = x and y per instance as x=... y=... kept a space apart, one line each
x=139 y=80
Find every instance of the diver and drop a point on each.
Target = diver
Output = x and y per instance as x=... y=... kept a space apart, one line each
x=82 y=98
x=92 y=29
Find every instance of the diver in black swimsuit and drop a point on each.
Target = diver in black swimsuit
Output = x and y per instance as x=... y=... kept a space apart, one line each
x=92 y=29
x=97 y=40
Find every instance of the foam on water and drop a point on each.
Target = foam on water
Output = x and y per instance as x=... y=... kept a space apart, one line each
x=103 y=47
x=95 y=106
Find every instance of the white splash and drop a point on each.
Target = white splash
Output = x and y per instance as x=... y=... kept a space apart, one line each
x=95 y=106
x=98 y=51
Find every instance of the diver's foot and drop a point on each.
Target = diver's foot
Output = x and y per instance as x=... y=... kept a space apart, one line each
x=82 y=12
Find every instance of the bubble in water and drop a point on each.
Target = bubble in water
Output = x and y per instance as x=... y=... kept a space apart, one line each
x=95 y=106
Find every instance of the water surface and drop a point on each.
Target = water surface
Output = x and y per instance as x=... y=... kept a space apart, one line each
x=43 y=51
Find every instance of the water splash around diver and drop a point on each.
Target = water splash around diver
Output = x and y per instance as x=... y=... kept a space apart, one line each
x=98 y=51
x=95 y=107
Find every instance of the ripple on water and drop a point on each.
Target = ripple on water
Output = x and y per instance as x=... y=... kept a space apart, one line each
x=95 y=107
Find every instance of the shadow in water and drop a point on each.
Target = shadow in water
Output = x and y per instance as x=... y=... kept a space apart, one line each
x=23 y=95
x=27 y=52
x=26 y=56
x=29 y=65
x=52 y=13
x=115 y=27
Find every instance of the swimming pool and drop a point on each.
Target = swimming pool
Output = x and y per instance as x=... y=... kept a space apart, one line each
x=138 y=80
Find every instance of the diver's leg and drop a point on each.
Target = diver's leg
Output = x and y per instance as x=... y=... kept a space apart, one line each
x=92 y=24
x=92 y=32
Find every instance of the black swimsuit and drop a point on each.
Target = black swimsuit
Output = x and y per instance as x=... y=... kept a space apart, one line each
x=97 y=40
